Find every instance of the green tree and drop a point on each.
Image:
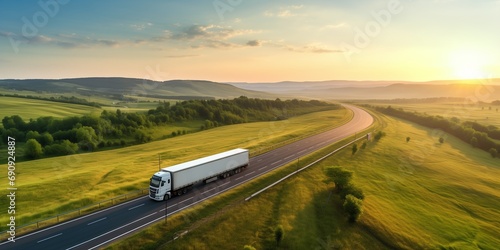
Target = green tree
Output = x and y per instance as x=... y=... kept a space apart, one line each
x=354 y=207
x=249 y=247
x=279 y=234
x=340 y=177
x=46 y=139
x=32 y=135
x=64 y=148
x=33 y=149
x=87 y=138
x=350 y=189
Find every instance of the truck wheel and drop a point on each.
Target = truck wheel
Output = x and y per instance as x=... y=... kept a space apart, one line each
x=184 y=190
x=165 y=197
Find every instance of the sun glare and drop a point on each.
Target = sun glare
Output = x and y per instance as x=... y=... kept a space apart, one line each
x=468 y=65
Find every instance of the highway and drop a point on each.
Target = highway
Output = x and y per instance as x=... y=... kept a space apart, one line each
x=100 y=228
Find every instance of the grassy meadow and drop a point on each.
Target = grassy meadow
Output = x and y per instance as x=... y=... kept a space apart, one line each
x=101 y=175
x=31 y=108
x=482 y=113
x=419 y=195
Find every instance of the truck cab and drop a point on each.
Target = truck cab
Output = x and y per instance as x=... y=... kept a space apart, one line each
x=160 y=186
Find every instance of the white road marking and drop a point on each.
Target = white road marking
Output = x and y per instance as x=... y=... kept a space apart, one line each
x=288 y=157
x=74 y=220
x=263 y=167
x=97 y=221
x=239 y=177
x=276 y=162
x=300 y=152
x=184 y=201
x=51 y=237
x=118 y=228
x=250 y=173
x=136 y=206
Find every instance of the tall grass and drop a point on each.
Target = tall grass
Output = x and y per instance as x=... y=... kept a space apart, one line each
x=419 y=195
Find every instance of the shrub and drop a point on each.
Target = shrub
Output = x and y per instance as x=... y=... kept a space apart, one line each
x=33 y=149
x=408 y=139
x=441 y=140
x=350 y=189
x=354 y=207
x=340 y=177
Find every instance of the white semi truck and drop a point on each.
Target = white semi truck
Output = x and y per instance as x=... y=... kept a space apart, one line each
x=178 y=179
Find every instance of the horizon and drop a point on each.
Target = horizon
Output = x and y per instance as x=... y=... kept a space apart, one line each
x=448 y=81
x=251 y=42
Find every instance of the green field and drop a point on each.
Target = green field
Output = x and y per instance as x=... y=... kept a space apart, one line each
x=419 y=195
x=31 y=108
x=480 y=113
x=44 y=184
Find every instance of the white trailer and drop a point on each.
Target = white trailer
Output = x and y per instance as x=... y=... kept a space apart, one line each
x=178 y=179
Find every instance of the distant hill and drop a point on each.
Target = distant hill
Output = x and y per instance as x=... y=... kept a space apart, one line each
x=134 y=87
x=473 y=89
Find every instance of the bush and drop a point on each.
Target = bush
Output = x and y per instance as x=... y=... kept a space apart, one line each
x=64 y=148
x=33 y=149
x=340 y=177
x=354 y=207
x=249 y=247
x=408 y=139
x=441 y=140
x=363 y=146
x=350 y=189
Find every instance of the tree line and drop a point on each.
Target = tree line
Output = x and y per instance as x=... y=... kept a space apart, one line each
x=475 y=134
x=49 y=136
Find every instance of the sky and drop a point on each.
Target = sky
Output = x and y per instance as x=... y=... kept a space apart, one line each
x=251 y=41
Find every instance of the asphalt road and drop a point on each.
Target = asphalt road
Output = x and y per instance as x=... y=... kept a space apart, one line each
x=100 y=228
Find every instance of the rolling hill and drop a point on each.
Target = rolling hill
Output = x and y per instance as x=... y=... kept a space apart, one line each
x=133 y=87
x=472 y=89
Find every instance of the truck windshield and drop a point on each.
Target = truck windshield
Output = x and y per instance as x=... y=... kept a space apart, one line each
x=155 y=181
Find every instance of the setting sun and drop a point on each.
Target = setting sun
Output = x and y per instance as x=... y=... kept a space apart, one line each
x=468 y=65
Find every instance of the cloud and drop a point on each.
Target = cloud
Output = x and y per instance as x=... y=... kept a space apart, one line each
x=65 y=41
x=284 y=12
x=141 y=26
x=204 y=36
x=207 y=32
x=254 y=43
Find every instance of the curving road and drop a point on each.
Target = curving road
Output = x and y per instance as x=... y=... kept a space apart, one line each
x=100 y=228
